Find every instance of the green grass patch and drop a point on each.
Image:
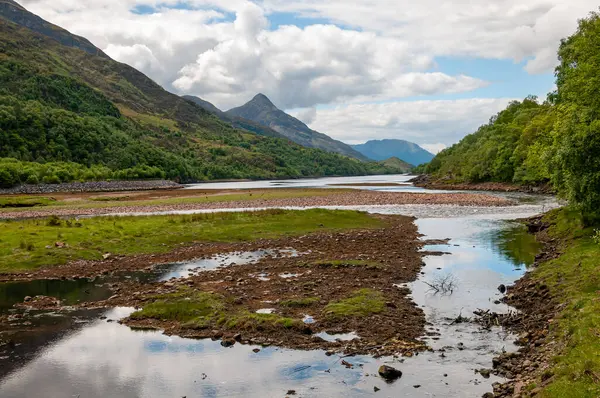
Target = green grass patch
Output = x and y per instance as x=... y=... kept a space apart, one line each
x=201 y=310
x=361 y=303
x=299 y=302
x=184 y=306
x=24 y=201
x=347 y=264
x=92 y=237
x=574 y=278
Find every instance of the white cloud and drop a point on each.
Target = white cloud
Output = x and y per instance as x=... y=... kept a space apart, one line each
x=424 y=122
x=434 y=148
x=225 y=51
x=307 y=115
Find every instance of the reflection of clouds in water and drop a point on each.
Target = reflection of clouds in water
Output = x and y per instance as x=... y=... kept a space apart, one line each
x=107 y=359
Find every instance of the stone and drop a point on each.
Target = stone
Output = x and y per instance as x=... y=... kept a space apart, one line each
x=291 y=392
x=502 y=288
x=375 y=389
x=27 y=298
x=227 y=342
x=389 y=373
x=485 y=373
x=256 y=350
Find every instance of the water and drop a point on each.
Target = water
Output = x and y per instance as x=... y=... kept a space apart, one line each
x=325 y=182
x=98 y=358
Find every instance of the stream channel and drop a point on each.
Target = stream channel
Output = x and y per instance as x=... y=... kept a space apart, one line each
x=87 y=354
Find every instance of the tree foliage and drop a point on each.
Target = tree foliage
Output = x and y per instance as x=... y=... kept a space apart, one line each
x=557 y=141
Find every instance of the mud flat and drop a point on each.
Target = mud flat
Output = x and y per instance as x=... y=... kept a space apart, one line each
x=250 y=201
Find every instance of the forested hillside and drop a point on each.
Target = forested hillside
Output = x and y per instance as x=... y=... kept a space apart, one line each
x=68 y=113
x=532 y=142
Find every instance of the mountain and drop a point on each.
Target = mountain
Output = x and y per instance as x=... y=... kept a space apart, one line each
x=260 y=109
x=237 y=122
x=19 y=15
x=396 y=163
x=384 y=149
x=206 y=106
x=68 y=111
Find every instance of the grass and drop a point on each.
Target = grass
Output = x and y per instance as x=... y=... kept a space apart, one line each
x=92 y=237
x=194 y=198
x=299 y=302
x=184 y=306
x=574 y=278
x=360 y=303
x=201 y=310
x=347 y=264
x=12 y=202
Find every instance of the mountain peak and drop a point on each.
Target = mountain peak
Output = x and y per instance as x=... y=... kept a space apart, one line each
x=262 y=100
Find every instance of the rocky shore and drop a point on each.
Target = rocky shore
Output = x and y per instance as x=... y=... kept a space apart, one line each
x=91 y=186
x=538 y=310
x=354 y=198
x=426 y=181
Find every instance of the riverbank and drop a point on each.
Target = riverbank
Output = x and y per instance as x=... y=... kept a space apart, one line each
x=191 y=200
x=428 y=182
x=559 y=323
x=323 y=273
x=90 y=186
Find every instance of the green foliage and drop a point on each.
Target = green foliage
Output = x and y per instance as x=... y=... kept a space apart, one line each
x=574 y=279
x=360 y=303
x=557 y=141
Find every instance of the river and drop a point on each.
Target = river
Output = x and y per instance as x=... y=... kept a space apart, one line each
x=82 y=354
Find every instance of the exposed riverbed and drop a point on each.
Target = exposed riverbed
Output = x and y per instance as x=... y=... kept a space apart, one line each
x=91 y=357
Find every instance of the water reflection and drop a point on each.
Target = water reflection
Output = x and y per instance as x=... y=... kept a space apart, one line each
x=68 y=291
x=110 y=360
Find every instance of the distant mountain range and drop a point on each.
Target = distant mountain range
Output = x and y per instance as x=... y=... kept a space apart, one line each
x=260 y=110
x=385 y=149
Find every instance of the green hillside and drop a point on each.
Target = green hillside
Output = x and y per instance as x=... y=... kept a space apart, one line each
x=68 y=112
x=556 y=142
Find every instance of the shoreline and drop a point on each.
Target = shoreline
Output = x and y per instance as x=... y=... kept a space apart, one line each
x=427 y=182
x=342 y=278
x=91 y=186
x=334 y=198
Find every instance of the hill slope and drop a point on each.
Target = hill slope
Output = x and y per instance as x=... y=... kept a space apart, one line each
x=396 y=163
x=260 y=109
x=384 y=149
x=63 y=100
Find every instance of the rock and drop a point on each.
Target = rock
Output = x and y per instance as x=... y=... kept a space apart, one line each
x=27 y=298
x=502 y=288
x=227 y=342
x=488 y=395
x=106 y=256
x=375 y=389
x=347 y=364
x=485 y=373
x=59 y=244
x=291 y=392
x=256 y=350
x=389 y=373
x=417 y=386
x=237 y=337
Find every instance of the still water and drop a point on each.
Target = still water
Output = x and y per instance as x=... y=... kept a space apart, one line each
x=92 y=357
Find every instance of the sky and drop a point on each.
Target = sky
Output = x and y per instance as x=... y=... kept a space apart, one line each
x=429 y=72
